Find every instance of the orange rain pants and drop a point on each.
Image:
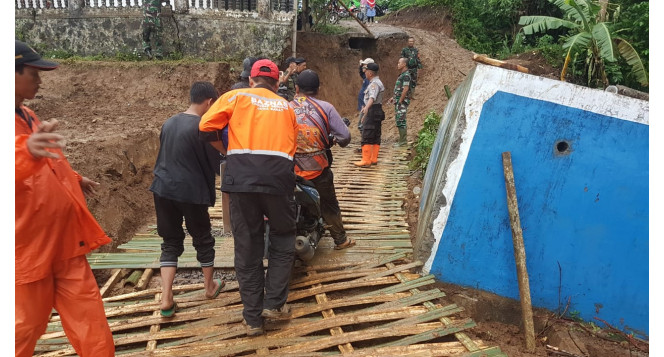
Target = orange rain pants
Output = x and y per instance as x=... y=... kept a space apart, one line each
x=72 y=290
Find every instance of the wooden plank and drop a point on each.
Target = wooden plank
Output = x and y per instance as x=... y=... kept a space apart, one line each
x=152 y=344
x=350 y=337
x=332 y=321
x=303 y=310
x=427 y=316
x=334 y=331
x=435 y=349
x=145 y=279
x=462 y=337
x=409 y=300
x=181 y=316
x=406 y=285
x=519 y=253
x=301 y=294
x=314 y=279
x=391 y=271
x=115 y=277
x=432 y=334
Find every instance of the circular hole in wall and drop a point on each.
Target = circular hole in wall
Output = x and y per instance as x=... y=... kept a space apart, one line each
x=562 y=147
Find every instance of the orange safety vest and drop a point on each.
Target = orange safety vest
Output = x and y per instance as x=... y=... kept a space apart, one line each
x=261 y=140
x=53 y=222
x=312 y=142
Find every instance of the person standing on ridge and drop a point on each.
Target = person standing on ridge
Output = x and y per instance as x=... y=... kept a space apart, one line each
x=373 y=116
x=401 y=100
x=260 y=179
x=414 y=63
x=317 y=120
x=152 y=28
x=294 y=66
x=183 y=187
x=54 y=230
x=371 y=11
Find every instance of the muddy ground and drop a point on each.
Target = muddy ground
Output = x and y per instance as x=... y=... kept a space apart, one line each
x=111 y=113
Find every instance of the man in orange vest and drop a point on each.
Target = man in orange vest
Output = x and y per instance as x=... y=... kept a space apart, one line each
x=318 y=119
x=260 y=180
x=54 y=230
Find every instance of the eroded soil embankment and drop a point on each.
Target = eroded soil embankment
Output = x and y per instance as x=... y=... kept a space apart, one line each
x=110 y=114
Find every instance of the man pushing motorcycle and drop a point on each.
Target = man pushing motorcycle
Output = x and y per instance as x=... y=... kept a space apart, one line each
x=320 y=126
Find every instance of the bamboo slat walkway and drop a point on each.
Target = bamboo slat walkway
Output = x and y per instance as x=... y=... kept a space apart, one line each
x=362 y=301
x=371 y=204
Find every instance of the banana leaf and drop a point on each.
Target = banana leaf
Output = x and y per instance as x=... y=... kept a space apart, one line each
x=602 y=35
x=633 y=59
x=537 y=24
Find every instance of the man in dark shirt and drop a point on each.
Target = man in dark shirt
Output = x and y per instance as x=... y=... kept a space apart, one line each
x=184 y=186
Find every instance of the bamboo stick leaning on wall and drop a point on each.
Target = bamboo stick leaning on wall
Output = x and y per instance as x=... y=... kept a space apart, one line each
x=519 y=253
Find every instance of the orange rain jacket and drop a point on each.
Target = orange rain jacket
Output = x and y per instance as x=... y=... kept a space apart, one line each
x=261 y=140
x=53 y=222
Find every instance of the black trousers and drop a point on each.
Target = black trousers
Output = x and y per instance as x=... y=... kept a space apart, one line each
x=329 y=205
x=260 y=291
x=170 y=214
x=371 y=130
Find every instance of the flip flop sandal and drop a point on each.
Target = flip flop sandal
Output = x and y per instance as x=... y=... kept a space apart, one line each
x=220 y=285
x=347 y=244
x=169 y=312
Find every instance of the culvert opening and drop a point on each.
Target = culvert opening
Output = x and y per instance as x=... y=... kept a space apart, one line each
x=362 y=43
x=562 y=148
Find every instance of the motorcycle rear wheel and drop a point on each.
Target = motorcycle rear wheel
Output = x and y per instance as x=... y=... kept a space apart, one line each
x=333 y=18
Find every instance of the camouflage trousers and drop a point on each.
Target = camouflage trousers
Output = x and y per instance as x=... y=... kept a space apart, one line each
x=152 y=27
x=400 y=113
x=413 y=78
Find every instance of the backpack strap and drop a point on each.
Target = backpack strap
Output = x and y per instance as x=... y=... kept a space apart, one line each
x=321 y=113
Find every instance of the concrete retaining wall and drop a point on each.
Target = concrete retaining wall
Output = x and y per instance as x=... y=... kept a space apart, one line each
x=212 y=34
x=580 y=159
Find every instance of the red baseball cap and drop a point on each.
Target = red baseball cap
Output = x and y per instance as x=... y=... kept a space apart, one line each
x=265 y=68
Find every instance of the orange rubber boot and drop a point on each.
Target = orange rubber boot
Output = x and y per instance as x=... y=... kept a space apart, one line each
x=374 y=154
x=366 y=156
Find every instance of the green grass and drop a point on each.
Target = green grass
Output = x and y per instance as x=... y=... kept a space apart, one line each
x=330 y=29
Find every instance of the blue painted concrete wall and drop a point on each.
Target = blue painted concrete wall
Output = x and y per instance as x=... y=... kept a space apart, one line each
x=585 y=211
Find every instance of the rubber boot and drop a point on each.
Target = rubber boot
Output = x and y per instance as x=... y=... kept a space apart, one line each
x=366 y=156
x=403 y=137
x=374 y=154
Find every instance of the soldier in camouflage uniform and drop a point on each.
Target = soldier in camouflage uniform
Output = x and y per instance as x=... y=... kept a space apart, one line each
x=413 y=63
x=152 y=26
x=294 y=66
x=401 y=99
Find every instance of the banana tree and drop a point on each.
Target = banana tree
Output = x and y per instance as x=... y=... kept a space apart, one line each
x=589 y=35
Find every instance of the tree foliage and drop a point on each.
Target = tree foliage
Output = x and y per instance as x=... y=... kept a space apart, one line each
x=492 y=27
x=592 y=39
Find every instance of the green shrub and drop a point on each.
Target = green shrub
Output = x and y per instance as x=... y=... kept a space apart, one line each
x=128 y=55
x=57 y=54
x=330 y=29
x=425 y=139
x=552 y=52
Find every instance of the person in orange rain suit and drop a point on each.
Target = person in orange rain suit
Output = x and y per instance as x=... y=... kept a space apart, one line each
x=54 y=230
